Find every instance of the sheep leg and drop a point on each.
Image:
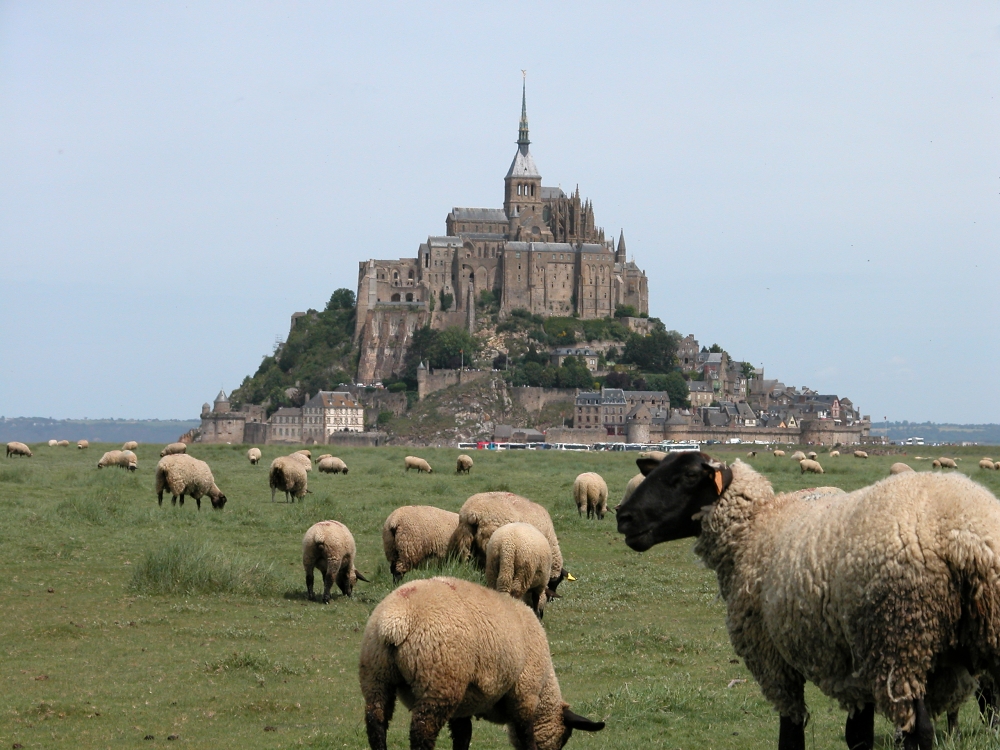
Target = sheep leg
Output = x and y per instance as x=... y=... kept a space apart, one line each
x=461 y=733
x=378 y=714
x=173 y=500
x=273 y=490
x=182 y=499
x=987 y=700
x=860 y=730
x=921 y=737
x=159 y=496
x=198 y=501
x=953 y=724
x=525 y=733
x=310 y=579
x=429 y=717
x=327 y=583
x=791 y=736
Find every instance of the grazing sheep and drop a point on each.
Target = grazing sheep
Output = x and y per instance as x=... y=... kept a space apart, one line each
x=331 y=465
x=53 y=443
x=860 y=454
x=414 y=533
x=935 y=464
x=82 y=444
x=129 y=461
x=807 y=464
x=779 y=454
x=288 y=475
x=412 y=462
x=186 y=475
x=630 y=488
x=882 y=597
x=174 y=449
x=303 y=457
x=131 y=445
x=113 y=458
x=518 y=562
x=834 y=454
x=450 y=650
x=751 y=454
x=325 y=455
x=948 y=463
x=590 y=491
x=254 y=456
x=63 y=443
x=329 y=546
x=464 y=464
x=985 y=463
x=899 y=468
x=812 y=455
x=797 y=456
x=15 y=448
x=485 y=512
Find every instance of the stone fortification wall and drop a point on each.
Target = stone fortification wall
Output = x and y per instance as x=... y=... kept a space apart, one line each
x=534 y=398
x=357 y=439
x=429 y=381
x=587 y=437
x=256 y=433
x=825 y=432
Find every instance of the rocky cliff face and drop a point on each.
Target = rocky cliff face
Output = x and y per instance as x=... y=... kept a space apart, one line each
x=385 y=337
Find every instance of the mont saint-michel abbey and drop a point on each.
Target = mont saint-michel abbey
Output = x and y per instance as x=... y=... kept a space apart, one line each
x=542 y=252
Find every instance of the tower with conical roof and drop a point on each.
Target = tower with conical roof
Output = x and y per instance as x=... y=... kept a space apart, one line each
x=523 y=187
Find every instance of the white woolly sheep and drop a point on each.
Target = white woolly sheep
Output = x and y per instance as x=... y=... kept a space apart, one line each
x=812 y=455
x=485 y=512
x=630 y=488
x=779 y=454
x=325 y=455
x=186 y=475
x=115 y=458
x=463 y=465
x=329 y=546
x=985 y=463
x=878 y=597
x=53 y=443
x=15 y=448
x=450 y=650
x=797 y=456
x=303 y=457
x=834 y=454
x=63 y=443
x=331 y=465
x=288 y=475
x=860 y=454
x=519 y=562
x=947 y=463
x=808 y=464
x=174 y=449
x=653 y=455
x=129 y=461
x=751 y=454
x=415 y=533
x=936 y=464
x=899 y=468
x=253 y=455
x=131 y=445
x=82 y=444
x=412 y=462
x=590 y=491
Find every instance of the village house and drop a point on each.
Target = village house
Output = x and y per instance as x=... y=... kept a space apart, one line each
x=328 y=412
x=610 y=408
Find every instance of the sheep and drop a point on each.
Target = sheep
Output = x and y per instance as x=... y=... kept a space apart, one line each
x=53 y=443
x=414 y=533
x=630 y=488
x=332 y=465
x=63 y=443
x=985 y=463
x=797 y=456
x=590 y=491
x=877 y=596
x=412 y=462
x=131 y=445
x=807 y=464
x=253 y=455
x=485 y=512
x=186 y=475
x=947 y=463
x=834 y=454
x=289 y=476
x=174 y=449
x=450 y=650
x=751 y=454
x=899 y=468
x=129 y=461
x=464 y=464
x=329 y=546
x=325 y=455
x=113 y=458
x=304 y=458
x=779 y=454
x=860 y=454
x=15 y=448
x=518 y=562
x=653 y=455
x=812 y=455
x=935 y=464
x=82 y=444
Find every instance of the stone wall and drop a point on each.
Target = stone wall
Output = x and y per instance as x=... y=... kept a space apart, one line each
x=357 y=439
x=256 y=433
x=429 y=381
x=587 y=437
x=534 y=398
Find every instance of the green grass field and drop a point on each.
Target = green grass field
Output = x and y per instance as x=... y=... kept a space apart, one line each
x=122 y=619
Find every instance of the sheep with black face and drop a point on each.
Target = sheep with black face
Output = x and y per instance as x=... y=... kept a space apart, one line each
x=881 y=597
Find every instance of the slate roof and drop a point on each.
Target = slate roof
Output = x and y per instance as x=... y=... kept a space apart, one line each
x=552 y=193
x=479 y=214
x=523 y=165
x=332 y=400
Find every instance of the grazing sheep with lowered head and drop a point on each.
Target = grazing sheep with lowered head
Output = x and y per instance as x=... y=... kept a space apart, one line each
x=834 y=454
x=590 y=491
x=173 y=449
x=807 y=464
x=860 y=454
x=131 y=445
x=253 y=455
x=413 y=462
x=186 y=475
x=899 y=468
x=463 y=465
x=15 y=448
x=518 y=562
x=947 y=463
x=53 y=443
x=779 y=454
x=288 y=475
x=82 y=444
x=415 y=533
x=329 y=546
x=331 y=465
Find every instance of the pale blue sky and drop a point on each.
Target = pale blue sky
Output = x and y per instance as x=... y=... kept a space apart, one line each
x=814 y=188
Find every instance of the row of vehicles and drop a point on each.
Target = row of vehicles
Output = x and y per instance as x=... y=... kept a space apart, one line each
x=665 y=447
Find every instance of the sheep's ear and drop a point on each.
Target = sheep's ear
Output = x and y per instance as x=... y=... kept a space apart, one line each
x=357 y=574
x=575 y=721
x=646 y=465
x=722 y=475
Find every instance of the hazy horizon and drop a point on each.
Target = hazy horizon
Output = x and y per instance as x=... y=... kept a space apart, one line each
x=815 y=189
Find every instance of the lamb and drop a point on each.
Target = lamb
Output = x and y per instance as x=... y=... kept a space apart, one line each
x=412 y=462
x=485 y=512
x=186 y=475
x=798 y=456
x=834 y=454
x=304 y=458
x=779 y=454
x=860 y=454
x=82 y=444
x=948 y=463
x=329 y=546
x=254 y=456
x=131 y=445
x=451 y=649
x=464 y=464
x=15 y=448
x=812 y=455
x=174 y=449
x=590 y=491
x=518 y=562
x=289 y=476
x=332 y=465
x=53 y=443
x=899 y=468
x=414 y=533
x=878 y=596
x=807 y=464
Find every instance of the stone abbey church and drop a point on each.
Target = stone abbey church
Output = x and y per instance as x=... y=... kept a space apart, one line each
x=541 y=252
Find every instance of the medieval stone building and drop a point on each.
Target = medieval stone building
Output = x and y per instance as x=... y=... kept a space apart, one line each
x=541 y=252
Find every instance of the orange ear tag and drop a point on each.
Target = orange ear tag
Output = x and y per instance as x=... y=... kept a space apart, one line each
x=718 y=480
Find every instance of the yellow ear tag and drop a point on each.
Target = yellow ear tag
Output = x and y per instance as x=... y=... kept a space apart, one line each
x=570 y=577
x=718 y=480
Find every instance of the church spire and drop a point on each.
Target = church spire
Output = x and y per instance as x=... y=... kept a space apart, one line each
x=522 y=131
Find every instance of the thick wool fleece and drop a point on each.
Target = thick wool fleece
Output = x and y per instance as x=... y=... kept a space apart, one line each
x=519 y=563
x=864 y=594
x=414 y=533
x=182 y=474
x=590 y=492
x=331 y=465
x=329 y=546
x=173 y=449
x=288 y=475
x=414 y=462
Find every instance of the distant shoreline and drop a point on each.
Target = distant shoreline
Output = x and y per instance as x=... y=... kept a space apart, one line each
x=39 y=429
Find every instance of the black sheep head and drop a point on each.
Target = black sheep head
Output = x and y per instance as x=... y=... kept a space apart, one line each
x=669 y=502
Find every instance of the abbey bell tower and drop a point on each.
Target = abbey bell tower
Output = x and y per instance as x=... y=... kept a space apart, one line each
x=522 y=200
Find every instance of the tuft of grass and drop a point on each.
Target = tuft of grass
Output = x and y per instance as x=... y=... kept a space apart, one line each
x=257 y=662
x=15 y=474
x=188 y=567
